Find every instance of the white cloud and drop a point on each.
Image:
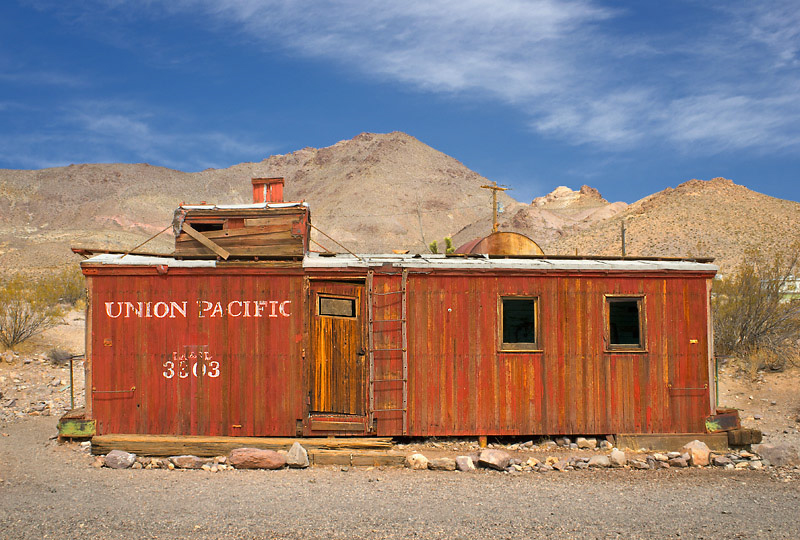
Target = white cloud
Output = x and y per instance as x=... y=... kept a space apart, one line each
x=576 y=69
x=121 y=132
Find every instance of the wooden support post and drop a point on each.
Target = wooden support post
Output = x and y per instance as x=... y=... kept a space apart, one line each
x=205 y=241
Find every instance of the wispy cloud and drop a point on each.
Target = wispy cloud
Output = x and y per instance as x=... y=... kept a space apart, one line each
x=576 y=68
x=119 y=132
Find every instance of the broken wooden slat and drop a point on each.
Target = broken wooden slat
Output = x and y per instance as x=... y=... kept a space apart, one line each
x=205 y=241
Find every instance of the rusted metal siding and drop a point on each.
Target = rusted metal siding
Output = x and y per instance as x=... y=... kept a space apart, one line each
x=461 y=385
x=225 y=368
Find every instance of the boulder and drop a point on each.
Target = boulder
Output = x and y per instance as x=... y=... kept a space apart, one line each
x=639 y=464
x=780 y=454
x=617 y=458
x=698 y=453
x=678 y=462
x=297 y=458
x=118 y=459
x=561 y=465
x=599 y=462
x=442 y=464
x=465 y=463
x=563 y=441
x=720 y=461
x=660 y=457
x=417 y=462
x=585 y=443
x=187 y=462
x=255 y=458
x=494 y=459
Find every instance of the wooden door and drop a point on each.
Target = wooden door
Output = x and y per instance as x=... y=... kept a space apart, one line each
x=338 y=348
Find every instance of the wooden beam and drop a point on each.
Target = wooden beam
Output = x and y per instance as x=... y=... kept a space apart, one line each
x=203 y=446
x=205 y=241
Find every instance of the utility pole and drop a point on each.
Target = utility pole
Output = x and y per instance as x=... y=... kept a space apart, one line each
x=495 y=188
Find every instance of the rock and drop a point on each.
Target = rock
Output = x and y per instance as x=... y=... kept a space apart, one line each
x=137 y=465
x=465 y=464
x=698 y=452
x=756 y=465
x=617 y=458
x=532 y=462
x=581 y=465
x=98 y=462
x=605 y=445
x=742 y=465
x=255 y=458
x=550 y=460
x=673 y=455
x=297 y=458
x=118 y=459
x=780 y=454
x=548 y=444
x=720 y=461
x=660 y=457
x=589 y=444
x=417 y=462
x=599 y=462
x=187 y=462
x=442 y=464
x=573 y=446
x=563 y=441
x=678 y=462
x=10 y=403
x=638 y=464
x=494 y=459
x=560 y=465
x=206 y=467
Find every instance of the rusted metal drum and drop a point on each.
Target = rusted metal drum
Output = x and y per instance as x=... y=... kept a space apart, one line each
x=502 y=243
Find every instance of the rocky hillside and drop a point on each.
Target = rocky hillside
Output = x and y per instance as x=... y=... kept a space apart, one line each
x=377 y=192
x=715 y=218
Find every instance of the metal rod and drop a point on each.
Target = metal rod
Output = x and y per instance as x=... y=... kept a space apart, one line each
x=146 y=241
x=71 y=386
x=337 y=243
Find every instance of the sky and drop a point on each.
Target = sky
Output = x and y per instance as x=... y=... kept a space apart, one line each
x=627 y=97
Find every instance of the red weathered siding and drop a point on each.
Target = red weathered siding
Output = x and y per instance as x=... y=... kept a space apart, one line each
x=461 y=385
x=260 y=381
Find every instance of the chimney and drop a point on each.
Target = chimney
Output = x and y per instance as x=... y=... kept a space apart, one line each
x=267 y=190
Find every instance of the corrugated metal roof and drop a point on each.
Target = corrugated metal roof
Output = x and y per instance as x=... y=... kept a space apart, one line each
x=146 y=260
x=249 y=206
x=315 y=260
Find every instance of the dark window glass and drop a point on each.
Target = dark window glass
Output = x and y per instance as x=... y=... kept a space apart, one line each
x=623 y=322
x=519 y=320
x=337 y=307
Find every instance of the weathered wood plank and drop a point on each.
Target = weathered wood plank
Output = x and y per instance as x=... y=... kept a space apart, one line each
x=171 y=445
x=205 y=241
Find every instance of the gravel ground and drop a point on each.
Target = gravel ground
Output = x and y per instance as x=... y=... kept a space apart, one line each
x=50 y=491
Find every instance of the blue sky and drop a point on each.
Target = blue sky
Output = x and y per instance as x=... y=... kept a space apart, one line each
x=628 y=97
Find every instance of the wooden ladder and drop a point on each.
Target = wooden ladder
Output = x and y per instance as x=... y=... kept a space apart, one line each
x=403 y=346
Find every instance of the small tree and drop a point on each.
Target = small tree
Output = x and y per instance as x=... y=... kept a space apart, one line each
x=448 y=242
x=754 y=318
x=433 y=247
x=27 y=307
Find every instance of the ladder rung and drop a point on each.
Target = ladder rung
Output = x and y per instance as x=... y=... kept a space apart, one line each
x=386 y=320
x=382 y=350
x=388 y=380
x=386 y=293
x=384 y=410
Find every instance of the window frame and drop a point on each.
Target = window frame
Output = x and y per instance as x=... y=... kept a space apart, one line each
x=641 y=300
x=354 y=299
x=524 y=347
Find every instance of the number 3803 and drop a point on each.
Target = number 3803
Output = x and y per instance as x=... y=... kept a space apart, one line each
x=196 y=364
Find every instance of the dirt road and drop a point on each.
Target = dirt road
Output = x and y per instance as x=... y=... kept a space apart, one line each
x=50 y=491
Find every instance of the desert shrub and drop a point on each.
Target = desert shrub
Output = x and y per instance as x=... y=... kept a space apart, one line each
x=754 y=319
x=27 y=307
x=66 y=286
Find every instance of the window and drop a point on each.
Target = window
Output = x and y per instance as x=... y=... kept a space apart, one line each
x=519 y=330
x=330 y=306
x=625 y=328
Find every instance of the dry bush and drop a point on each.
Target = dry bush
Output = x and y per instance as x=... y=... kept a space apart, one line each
x=754 y=319
x=27 y=307
x=67 y=286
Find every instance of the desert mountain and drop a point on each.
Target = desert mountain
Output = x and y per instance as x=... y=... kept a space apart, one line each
x=714 y=218
x=375 y=193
